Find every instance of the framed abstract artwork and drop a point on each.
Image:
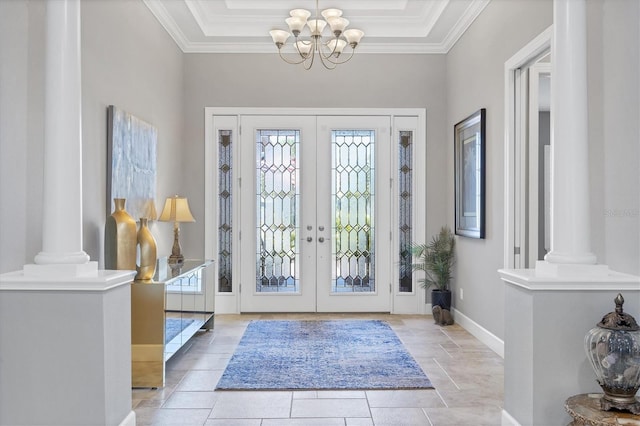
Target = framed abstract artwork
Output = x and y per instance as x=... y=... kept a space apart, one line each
x=469 y=154
x=131 y=163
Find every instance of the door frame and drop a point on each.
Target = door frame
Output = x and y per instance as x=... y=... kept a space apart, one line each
x=229 y=302
x=534 y=160
x=515 y=145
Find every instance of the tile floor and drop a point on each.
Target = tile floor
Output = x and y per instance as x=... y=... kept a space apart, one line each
x=468 y=380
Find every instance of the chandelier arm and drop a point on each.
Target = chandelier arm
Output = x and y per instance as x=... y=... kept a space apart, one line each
x=353 y=51
x=327 y=63
x=335 y=47
x=309 y=60
x=288 y=61
x=306 y=43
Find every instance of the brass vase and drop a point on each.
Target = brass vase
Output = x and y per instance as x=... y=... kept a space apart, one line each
x=146 y=252
x=120 y=236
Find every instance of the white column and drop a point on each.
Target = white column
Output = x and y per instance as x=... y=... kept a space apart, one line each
x=65 y=327
x=570 y=219
x=62 y=204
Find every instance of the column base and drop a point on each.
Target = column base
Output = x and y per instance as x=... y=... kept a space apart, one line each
x=545 y=268
x=88 y=269
x=46 y=258
x=571 y=259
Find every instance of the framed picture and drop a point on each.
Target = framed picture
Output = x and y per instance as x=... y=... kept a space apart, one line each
x=131 y=163
x=469 y=153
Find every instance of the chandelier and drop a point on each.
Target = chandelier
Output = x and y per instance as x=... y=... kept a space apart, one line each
x=329 y=51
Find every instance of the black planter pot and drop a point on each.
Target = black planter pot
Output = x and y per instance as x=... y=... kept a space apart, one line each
x=441 y=298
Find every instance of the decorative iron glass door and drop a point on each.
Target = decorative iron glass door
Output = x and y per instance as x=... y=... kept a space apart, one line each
x=313 y=214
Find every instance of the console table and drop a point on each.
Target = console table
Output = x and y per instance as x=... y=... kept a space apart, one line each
x=585 y=411
x=165 y=313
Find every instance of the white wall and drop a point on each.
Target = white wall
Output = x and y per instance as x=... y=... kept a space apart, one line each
x=128 y=60
x=370 y=81
x=475 y=79
x=21 y=121
x=614 y=131
x=475 y=70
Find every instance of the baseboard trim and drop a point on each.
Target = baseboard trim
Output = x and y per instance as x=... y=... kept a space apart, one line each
x=130 y=420
x=508 y=420
x=485 y=336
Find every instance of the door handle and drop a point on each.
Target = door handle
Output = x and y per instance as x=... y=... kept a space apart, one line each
x=321 y=239
x=309 y=239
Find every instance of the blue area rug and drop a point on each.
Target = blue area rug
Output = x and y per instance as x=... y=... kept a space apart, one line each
x=174 y=326
x=338 y=354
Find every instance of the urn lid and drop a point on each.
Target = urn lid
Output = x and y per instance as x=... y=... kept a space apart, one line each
x=618 y=320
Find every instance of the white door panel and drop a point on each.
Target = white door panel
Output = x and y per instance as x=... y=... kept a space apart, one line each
x=354 y=175
x=297 y=253
x=273 y=275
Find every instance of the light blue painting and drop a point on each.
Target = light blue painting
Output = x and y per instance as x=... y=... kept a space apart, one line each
x=132 y=163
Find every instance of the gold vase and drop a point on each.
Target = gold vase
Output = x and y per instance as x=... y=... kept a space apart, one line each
x=120 y=236
x=146 y=252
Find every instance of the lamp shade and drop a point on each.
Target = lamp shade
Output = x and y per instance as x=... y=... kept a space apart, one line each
x=316 y=26
x=353 y=36
x=300 y=13
x=296 y=24
x=176 y=209
x=279 y=36
x=149 y=210
x=336 y=45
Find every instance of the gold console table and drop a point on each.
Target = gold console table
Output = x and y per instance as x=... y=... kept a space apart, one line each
x=165 y=313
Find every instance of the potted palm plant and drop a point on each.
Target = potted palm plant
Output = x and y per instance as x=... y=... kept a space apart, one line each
x=436 y=259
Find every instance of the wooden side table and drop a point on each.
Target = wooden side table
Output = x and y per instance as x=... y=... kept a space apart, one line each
x=585 y=410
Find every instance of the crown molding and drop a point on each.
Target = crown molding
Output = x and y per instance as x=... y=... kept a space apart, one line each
x=166 y=20
x=385 y=45
x=463 y=24
x=284 y=4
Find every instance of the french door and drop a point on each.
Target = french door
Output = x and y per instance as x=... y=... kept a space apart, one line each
x=315 y=213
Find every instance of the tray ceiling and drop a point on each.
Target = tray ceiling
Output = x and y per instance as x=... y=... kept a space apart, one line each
x=242 y=26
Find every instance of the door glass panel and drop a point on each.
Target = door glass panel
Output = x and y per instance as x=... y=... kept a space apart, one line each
x=405 y=182
x=352 y=199
x=277 y=199
x=225 y=210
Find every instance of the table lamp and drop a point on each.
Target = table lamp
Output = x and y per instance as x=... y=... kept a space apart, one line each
x=176 y=210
